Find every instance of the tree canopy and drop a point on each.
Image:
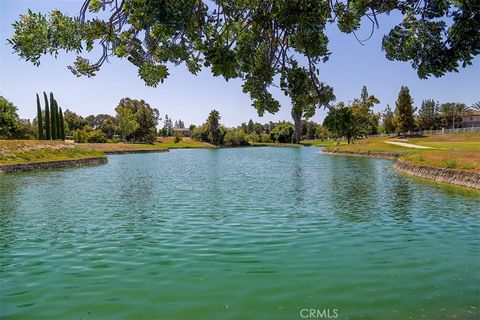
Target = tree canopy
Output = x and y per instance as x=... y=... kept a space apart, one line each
x=388 y=120
x=137 y=121
x=253 y=40
x=364 y=120
x=428 y=114
x=8 y=118
x=11 y=126
x=339 y=121
x=357 y=119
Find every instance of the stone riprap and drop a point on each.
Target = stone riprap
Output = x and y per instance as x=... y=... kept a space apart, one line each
x=135 y=151
x=19 y=167
x=465 y=178
x=373 y=154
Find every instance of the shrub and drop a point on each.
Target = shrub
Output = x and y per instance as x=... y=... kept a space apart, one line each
x=177 y=137
x=79 y=136
x=283 y=133
x=255 y=137
x=87 y=134
x=264 y=138
x=200 y=133
x=468 y=166
x=145 y=138
x=450 y=163
x=252 y=137
x=114 y=140
x=235 y=138
x=97 y=136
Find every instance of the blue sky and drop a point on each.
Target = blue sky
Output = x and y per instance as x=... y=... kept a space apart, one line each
x=190 y=98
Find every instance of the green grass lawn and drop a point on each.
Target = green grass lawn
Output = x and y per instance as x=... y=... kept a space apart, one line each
x=186 y=143
x=162 y=144
x=454 y=151
x=29 y=151
x=120 y=147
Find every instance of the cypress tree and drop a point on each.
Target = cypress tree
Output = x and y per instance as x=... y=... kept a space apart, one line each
x=62 y=125
x=39 y=119
x=48 y=132
x=59 y=121
x=364 y=96
x=53 y=112
x=53 y=120
x=53 y=105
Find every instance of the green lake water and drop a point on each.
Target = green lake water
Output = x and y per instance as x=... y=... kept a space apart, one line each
x=246 y=233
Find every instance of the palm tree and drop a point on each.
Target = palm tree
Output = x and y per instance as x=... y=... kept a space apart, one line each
x=475 y=106
x=213 y=127
x=446 y=111
x=213 y=120
x=452 y=110
x=458 y=110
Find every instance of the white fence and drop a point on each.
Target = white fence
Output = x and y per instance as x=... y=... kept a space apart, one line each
x=418 y=133
x=430 y=132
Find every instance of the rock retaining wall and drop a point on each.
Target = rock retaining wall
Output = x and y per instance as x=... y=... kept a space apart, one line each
x=10 y=168
x=373 y=154
x=459 y=177
x=135 y=151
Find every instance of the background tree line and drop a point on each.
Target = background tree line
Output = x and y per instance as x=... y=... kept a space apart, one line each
x=137 y=121
x=134 y=121
x=431 y=115
x=358 y=119
x=253 y=132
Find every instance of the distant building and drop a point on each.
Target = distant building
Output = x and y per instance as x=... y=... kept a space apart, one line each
x=183 y=131
x=471 y=119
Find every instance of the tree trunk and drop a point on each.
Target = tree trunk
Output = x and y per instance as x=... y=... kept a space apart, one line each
x=297 y=121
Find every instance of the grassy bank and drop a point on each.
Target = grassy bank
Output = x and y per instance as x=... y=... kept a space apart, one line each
x=273 y=144
x=186 y=143
x=167 y=143
x=318 y=143
x=160 y=145
x=119 y=147
x=30 y=151
x=453 y=151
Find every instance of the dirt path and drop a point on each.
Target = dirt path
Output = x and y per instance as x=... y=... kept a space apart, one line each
x=407 y=145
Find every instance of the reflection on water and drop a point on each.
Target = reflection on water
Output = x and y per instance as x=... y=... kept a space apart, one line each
x=298 y=179
x=236 y=233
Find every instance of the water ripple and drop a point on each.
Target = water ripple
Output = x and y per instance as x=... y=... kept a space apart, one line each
x=234 y=234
